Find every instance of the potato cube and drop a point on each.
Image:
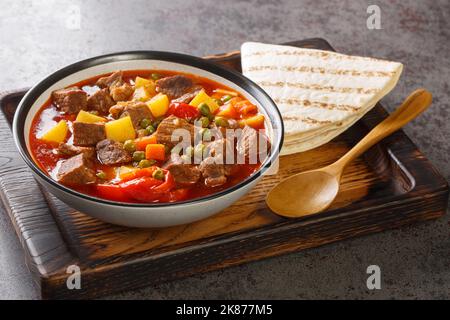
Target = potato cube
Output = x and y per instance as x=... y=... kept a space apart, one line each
x=148 y=85
x=57 y=133
x=202 y=96
x=123 y=171
x=87 y=117
x=159 y=105
x=120 y=130
x=141 y=94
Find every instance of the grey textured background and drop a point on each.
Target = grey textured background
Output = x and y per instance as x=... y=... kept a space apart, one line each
x=414 y=261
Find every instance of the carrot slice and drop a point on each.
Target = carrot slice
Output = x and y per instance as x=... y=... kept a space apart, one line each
x=141 y=143
x=256 y=122
x=155 y=151
x=246 y=108
x=223 y=91
x=228 y=111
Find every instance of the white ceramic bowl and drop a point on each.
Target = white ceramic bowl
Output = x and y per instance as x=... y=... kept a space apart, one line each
x=157 y=214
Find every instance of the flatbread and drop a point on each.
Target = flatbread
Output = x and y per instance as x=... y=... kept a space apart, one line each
x=319 y=93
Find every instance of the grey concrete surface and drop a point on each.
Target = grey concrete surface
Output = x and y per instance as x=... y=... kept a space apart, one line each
x=37 y=37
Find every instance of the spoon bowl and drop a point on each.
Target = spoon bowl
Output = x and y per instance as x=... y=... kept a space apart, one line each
x=313 y=191
x=305 y=193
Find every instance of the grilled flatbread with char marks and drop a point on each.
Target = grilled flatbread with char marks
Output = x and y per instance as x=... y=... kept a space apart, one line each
x=319 y=93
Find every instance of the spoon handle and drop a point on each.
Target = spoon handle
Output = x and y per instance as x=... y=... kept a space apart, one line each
x=415 y=104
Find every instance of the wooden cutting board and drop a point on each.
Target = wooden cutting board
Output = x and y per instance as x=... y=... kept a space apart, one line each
x=392 y=185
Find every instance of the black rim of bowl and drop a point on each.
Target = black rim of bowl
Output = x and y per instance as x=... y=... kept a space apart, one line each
x=244 y=83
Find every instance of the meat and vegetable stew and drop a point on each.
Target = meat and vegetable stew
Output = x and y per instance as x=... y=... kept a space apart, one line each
x=148 y=136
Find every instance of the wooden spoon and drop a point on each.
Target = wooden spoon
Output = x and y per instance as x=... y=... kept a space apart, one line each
x=313 y=191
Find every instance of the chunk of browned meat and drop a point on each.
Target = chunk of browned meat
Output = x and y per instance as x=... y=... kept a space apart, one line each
x=221 y=148
x=71 y=150
x=252 y=145
x=121 y=92
x=183 y=173
x=88 y=134
x=100 y=101
x=137 y=112
x=174 y=86
x=215 y=173
x=70 y=100
x=188 y=96
x=117 y=110
x=114 y=78
x=167 y=127
x=111 y=152
x=76 y=170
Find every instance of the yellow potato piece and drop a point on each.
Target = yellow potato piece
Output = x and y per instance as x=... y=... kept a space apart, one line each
x=87 y=117
x=57 y=133
x=142 y=82
x=120 y=130
x=201 y=97
x=141 y=94
x=148 y=85
x=123 y=170
x=159 y=105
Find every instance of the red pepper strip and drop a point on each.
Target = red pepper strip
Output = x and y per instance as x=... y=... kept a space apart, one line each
x=183 y=110
x=112 y=192
x=144 y=172
x=148 y=189
x=179 y=195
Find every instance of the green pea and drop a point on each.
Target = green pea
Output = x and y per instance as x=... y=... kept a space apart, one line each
x=218 y=101
x=145 y=123
x=190 y=151
x=177 y=149
x=146 y=163
x=198 y=150
x=156 y=76
x=156 y=123
x=138 y=156
x=204 y=121
x=129 y=146
x=150 y=129
x=101 y=175
x=204 y=109
x=143 y=132
x=158 y=174
x=221 y=122
x=206 y=134
x=226 y=98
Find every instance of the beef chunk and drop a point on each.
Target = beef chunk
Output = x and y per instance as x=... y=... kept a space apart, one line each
x=76 y=170
x=110 y=152
x=250 y=146
x=88 y=134
x=100 y=101
x=71 y=150
x=215 y=173
x=114 y=78
x=188 y=96
x=183 y=173
x=168 y=126
x=174 y=86
x=117 y=110
x=137 y=112
x=70 y=100
x=221 y=148
x=121 y=92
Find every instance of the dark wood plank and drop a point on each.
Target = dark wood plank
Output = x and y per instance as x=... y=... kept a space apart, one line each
x=391 y=186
